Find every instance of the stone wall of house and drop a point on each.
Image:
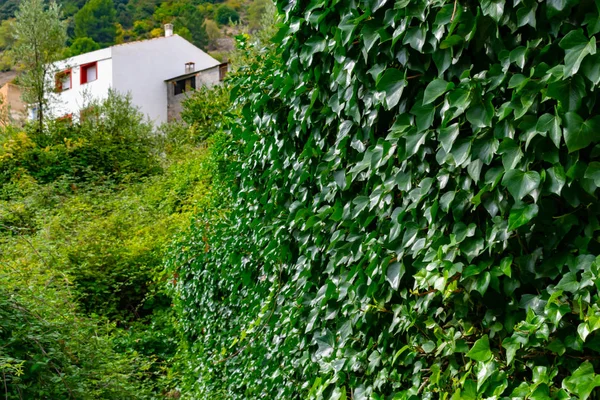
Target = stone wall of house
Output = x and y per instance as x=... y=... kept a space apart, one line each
x=175 y=105
x=207 y=77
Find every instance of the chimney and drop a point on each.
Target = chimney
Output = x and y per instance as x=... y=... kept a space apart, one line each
x=168 y=30
x=190 y=67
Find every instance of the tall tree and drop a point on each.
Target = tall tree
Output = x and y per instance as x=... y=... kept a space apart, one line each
x=8 y=8
x=40 y=40
x=80 y=46
x=192 y=19
x=97 y=20
x=7 y=40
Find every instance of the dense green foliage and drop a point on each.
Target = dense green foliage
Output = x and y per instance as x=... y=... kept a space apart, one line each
x=414 y=209
x=226 y=15
x=87 y=213
x=49 y=351
x=117 y=21
x=97 y=21
x=40 y=37
x=112 y=140
x=205 y=110
x=80 y=46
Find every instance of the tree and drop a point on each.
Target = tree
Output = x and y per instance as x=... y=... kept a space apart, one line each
x=187 y=19
x=8 y=8
x=81 y=45
x=7 y=40
x=226 y=14
x=40 y=40
x=7 y=34
x=192 y=19
x=212 y=31
x=256 y=11
x=97 y=20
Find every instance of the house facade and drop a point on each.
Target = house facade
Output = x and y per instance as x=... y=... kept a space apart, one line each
x=180 y=87
x=141 y=69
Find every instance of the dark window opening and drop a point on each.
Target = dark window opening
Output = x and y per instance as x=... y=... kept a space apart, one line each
x=222 y=71
x=185 y=85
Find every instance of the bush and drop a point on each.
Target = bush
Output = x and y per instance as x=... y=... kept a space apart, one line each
x=49 y=351
x=112 y=141
x=416 y=210
x=205 y=111
x=226 y=15
x=81 y=45
x=85 y=261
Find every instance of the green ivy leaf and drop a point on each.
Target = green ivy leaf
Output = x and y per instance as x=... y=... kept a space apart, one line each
x=520 y=183
x=556 y=179
x=580 y=134
x=451 y=41
x=505 y=266
x=435 y=89
x=550 y=124
x=511 y=345
x=481 y=350
x=447 y=136
x=394 y=274
x=493 y=8
x=568 y=282
x=415 y=38
x=480 y=115
x=593 y=172
x=392 y=83
x=556 y=6
x=521 y=215
x=568 y=92
x=591 y=68
x=485 y=370
x=576 y=47
x=582 y=381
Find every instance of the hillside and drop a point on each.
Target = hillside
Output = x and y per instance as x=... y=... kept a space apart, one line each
x=7 y=76
x=94 y=24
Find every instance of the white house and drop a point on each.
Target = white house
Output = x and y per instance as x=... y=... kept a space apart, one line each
x=144 y=69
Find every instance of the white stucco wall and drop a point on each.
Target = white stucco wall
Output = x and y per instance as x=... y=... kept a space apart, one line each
x=73 y=100
x=141 y=68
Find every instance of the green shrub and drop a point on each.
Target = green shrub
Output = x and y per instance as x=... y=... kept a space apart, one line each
x=205 y=110
x=86 y=258
x=415 y=214
x=113 y=141
x=48 y=351
x=226 y=15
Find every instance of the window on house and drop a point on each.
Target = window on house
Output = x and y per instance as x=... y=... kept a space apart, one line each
x=222 y=71
x=89 y=72
x=63 y=81
x=185 y=85
x=33 y=112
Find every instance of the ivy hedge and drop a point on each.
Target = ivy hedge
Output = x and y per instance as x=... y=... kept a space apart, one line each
x=414 y=213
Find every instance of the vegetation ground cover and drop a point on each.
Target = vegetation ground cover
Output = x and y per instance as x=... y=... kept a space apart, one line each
x=87 y=213
x=414 y=211
x=403 y=205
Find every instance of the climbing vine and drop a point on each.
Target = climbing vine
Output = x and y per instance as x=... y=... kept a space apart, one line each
x=413 y=212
